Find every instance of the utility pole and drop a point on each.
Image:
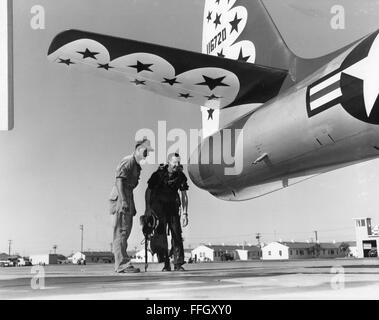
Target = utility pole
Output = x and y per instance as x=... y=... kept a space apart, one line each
x=317 y=246
x=258 y=237
x=81 y=238
x=9 y=247
x=55 y=248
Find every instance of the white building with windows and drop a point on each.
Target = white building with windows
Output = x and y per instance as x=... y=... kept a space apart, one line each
x=301 y=250
x=275 y=251
x=202 y=253
x=367 y=238
x=207 y=253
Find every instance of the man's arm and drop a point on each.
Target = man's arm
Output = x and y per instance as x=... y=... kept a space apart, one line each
x=126 y=195
x=184 y=202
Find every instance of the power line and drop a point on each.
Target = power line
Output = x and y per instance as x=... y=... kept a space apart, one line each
x=308 y=232
x=273 y=233
x=223 y=237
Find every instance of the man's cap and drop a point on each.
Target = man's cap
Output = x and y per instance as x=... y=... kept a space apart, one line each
x=144 y=143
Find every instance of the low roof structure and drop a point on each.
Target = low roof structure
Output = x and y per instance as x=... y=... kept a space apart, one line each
x=98 y=253
x=298 y=245
x=232 y=247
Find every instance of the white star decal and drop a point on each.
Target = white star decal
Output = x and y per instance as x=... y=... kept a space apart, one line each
x=367 y=69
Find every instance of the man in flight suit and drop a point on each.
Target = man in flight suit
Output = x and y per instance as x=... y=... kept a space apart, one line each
x=122 y=205
x=162 y=199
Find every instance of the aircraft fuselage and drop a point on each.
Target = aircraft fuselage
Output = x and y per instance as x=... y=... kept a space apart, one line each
x=313 y=127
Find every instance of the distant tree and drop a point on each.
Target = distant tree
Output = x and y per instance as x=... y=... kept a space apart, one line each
x=314 y=251
x=344 y=248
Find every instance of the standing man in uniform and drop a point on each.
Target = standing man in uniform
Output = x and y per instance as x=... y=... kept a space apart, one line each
x=162 y=199
x=122 y=205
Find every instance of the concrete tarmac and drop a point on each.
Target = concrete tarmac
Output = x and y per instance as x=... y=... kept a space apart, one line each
x=301 y=279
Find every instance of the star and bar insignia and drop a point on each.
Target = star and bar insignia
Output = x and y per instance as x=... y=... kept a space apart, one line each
x=353 y=85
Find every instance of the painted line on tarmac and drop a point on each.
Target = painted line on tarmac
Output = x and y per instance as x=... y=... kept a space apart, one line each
x=132 y=295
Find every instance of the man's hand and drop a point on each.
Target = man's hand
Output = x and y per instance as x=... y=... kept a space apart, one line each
x=185 y=220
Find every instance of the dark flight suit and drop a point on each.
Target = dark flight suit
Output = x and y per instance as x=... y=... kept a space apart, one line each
x=165 y=202
x=129 y=171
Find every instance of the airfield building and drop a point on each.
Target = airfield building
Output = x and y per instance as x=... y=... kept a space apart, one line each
x=208 y=253
x=4 y=257
x=93 y=257
x=301 y=250
x=43 y=259
x=367 y=238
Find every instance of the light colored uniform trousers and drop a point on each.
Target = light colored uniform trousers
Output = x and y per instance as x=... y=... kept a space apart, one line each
x=122 y=227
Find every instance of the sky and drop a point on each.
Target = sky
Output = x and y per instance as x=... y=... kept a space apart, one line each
x=71 y=130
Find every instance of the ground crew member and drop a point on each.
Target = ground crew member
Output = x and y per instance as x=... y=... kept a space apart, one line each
x=163 y=199
x=122 y=205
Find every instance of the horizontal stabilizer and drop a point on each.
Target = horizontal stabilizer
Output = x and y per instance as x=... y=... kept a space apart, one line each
x=200 y=79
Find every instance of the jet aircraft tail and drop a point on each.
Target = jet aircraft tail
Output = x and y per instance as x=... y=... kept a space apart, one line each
x=240 y=30
x=243 y=30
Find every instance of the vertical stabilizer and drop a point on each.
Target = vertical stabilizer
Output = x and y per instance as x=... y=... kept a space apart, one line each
x=240 y=30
